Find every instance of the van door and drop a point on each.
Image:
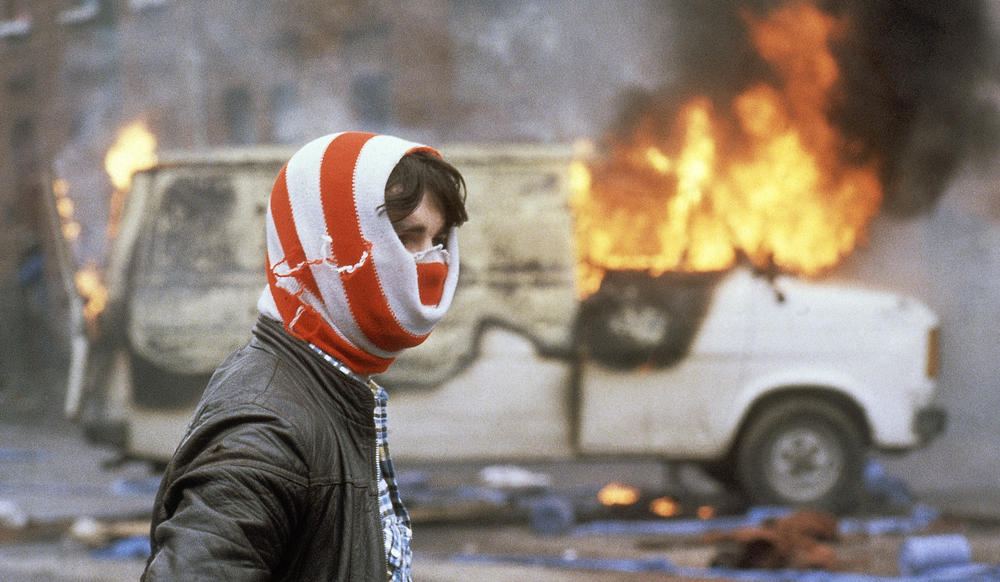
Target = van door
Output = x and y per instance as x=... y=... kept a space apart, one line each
x=659 y=355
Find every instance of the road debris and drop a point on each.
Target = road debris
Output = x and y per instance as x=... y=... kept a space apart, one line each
x=513 y=477
x=11 y=515
x=98 y=533
x=928 y=554
x=800 y=540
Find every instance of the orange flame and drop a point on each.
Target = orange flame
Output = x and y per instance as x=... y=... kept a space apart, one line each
x=664 y=507
x=87 y=280
x=134 y=150
x=65 y=209
x=617 y=494
x=771 y=185
x=88 y=283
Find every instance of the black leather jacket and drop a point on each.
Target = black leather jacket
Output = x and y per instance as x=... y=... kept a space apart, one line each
x=275 y=478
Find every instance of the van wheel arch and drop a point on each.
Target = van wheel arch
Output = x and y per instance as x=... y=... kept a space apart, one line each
x=831 y=396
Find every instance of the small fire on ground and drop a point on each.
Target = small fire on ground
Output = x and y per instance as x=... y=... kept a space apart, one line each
x=616 y=494
x=765 y=176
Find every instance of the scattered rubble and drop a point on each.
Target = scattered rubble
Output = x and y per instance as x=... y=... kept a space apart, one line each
x=769 y=544
x=512 y=477
x=11 y=515
x=99 y=533
x=800 y=540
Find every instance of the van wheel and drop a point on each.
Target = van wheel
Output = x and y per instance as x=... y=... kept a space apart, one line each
x=802 y=452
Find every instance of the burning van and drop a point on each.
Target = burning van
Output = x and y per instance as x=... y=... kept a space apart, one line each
x=777 y=385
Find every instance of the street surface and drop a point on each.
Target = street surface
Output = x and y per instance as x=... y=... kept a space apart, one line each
x=56 y=492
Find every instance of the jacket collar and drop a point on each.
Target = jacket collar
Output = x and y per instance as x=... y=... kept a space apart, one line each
x=343 y=386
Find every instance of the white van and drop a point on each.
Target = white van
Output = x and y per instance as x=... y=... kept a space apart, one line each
x=777 y=386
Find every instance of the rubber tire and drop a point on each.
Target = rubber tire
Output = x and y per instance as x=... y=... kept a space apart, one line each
x=803 y=422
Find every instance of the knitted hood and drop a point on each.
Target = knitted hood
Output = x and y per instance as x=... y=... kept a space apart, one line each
x=338 y=275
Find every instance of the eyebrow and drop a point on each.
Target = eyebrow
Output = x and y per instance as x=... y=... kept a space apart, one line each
x=402 y=228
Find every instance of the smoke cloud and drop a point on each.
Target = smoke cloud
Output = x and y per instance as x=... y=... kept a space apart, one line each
x=915 y=80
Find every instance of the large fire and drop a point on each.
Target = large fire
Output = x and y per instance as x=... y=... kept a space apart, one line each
x=763 y=177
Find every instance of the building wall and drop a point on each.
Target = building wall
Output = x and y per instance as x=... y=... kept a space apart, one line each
x=28 y=60
x=29 y=129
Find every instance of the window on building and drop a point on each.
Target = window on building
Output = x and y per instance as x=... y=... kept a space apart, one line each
x=371 y=97
x=80 y=12
x=237 y=115
x=23 y=144
x=76 y=124
x=15 y=19
x=11 y=9
x=142 y=5
x=22 y=83
x=283 y=104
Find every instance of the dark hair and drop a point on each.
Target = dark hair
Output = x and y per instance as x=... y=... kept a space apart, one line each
x=421 y=171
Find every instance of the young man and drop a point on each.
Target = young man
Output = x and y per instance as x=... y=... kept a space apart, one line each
x=284 y=472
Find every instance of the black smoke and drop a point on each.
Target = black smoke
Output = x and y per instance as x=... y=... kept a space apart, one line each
x=915 y=76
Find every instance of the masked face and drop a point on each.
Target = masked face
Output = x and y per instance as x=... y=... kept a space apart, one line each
x=424 y=233
x=341 y=274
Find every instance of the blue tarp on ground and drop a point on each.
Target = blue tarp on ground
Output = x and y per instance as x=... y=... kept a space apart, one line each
x=950 y=573
x=943 y=558
x=916 y=521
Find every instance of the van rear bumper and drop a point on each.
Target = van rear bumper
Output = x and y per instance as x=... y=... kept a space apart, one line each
x=929 y=423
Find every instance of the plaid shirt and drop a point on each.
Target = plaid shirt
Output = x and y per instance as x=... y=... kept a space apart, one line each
x=395 y=519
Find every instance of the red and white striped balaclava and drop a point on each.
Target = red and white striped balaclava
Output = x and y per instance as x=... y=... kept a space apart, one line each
x=338 y=275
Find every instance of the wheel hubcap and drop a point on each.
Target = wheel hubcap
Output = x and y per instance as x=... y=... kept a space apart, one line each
x=804 y=464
